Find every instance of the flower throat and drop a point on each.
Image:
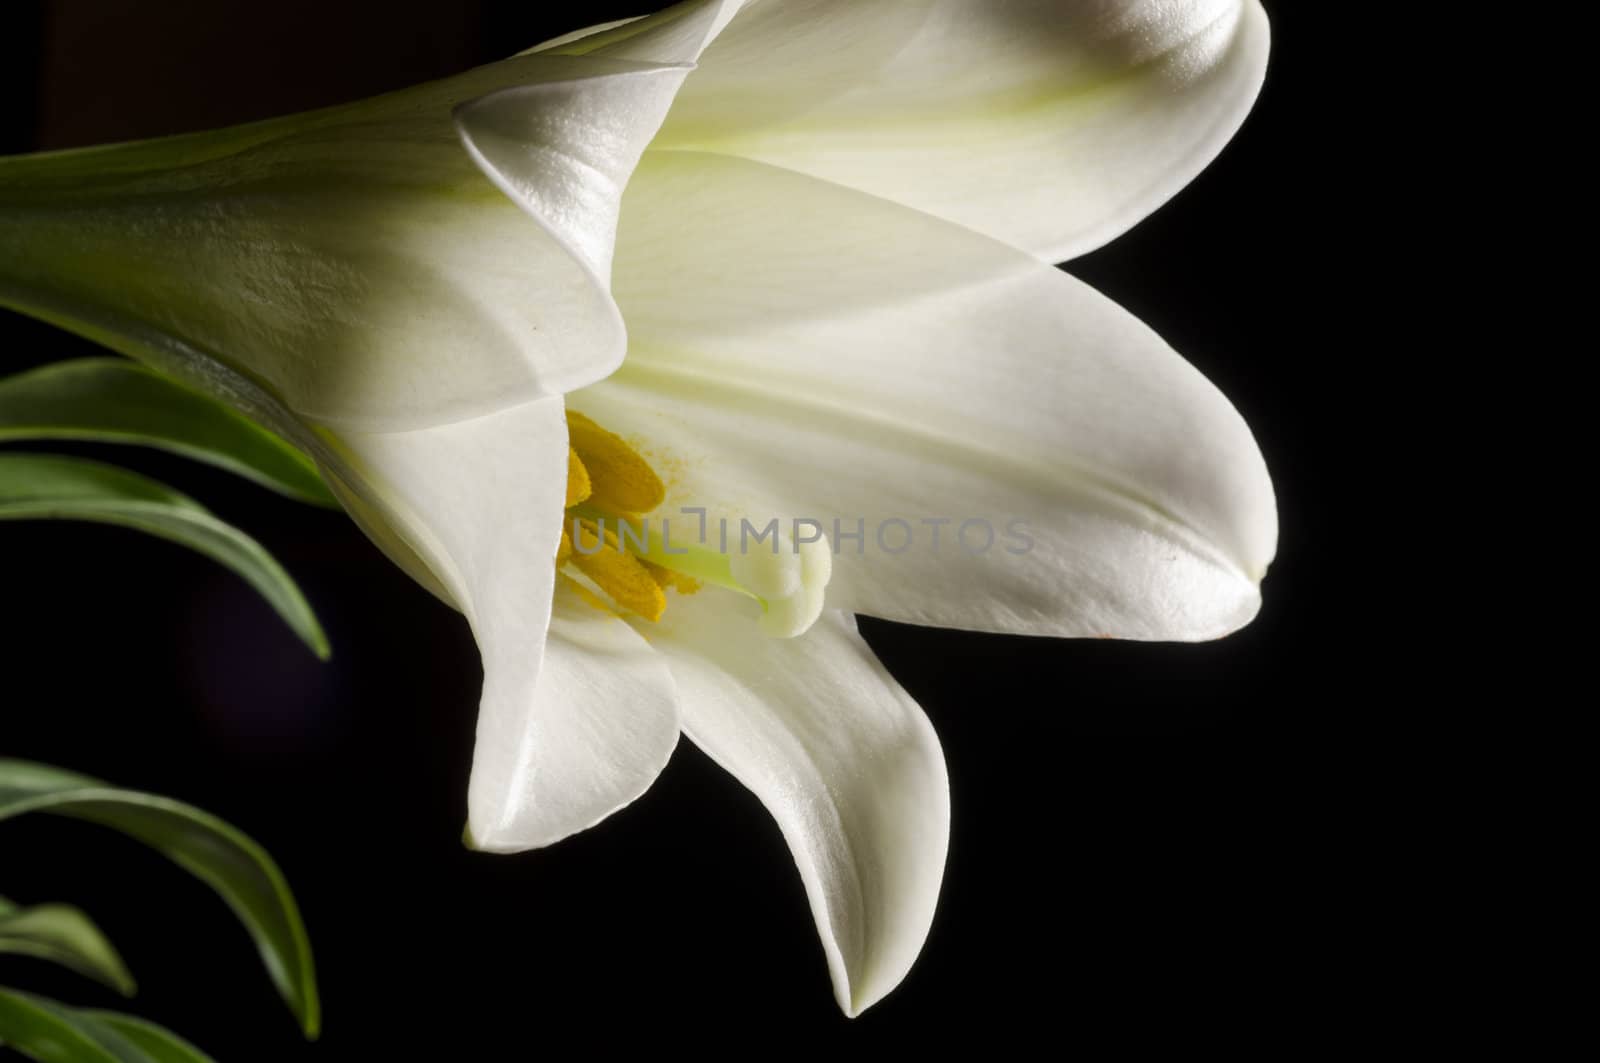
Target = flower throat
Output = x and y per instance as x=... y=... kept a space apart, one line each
x=607 y=538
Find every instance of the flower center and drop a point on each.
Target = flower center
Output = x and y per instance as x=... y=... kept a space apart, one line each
x=634 y=559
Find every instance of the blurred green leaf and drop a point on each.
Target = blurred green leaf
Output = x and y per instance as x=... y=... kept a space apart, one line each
x=110 y=400
x=65 y=935
x=160 y=1045
x=51 y=1032
x=44 y=486
x=211 y=850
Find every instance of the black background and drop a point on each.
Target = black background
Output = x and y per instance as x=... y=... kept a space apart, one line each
x=1135 y=849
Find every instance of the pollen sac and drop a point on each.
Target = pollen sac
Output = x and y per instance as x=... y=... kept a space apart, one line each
x=579 y=487
x=620 y=481
x=623 y=577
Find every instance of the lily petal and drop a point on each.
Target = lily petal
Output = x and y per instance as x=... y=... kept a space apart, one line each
x=601 y=726
x=354 y=262
x=570 y=728
x=564 y=153
x=844 y=760
x=678 y=34
x=1053 y=126
x=845 y=358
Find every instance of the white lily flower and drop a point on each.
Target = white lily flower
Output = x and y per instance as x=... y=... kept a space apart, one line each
x=833 y=264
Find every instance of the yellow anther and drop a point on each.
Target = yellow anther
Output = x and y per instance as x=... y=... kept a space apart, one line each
x=667 y=579
x=608 y=480
x=623 y=577
x=619 y=479
x=578 y=485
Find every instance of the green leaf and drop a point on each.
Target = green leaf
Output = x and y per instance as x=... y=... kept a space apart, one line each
x=219 y=855
x=65 y=935
x=44 y=1030
x=160 y=1045
x=109 y=400
x=51 y=1032
x=44 y=486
